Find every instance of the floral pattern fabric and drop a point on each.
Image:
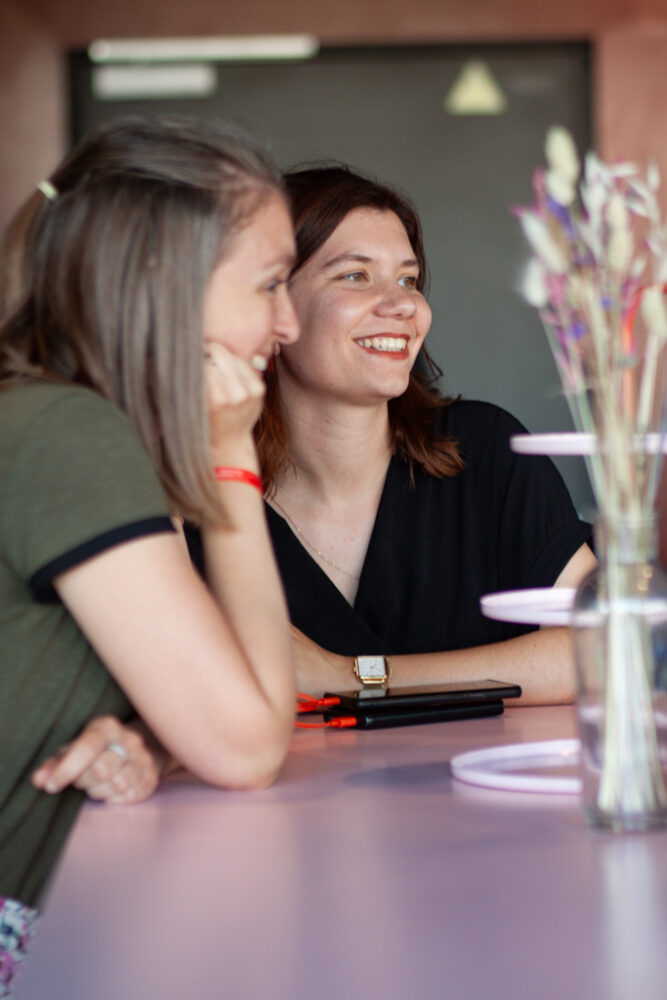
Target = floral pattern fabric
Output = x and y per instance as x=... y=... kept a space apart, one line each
x=17 y=925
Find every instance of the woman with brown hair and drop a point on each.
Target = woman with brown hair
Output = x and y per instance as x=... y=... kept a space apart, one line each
x=391 y=508
x=143 y=289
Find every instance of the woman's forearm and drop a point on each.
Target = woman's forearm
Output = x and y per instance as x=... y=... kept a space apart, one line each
x=540 y=662
x=242 y=573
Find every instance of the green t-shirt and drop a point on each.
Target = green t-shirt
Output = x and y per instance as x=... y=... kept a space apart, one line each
x=74 y=481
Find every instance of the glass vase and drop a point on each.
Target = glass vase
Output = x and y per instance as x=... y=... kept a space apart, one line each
x=620 y=640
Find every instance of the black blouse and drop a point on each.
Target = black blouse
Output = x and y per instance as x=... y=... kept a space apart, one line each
x=505 y=522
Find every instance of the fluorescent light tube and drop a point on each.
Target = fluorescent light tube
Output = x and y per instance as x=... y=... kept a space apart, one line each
x=211 y=49
x=136 y=83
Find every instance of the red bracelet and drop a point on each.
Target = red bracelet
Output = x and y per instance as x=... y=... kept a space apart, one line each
x=221 y=472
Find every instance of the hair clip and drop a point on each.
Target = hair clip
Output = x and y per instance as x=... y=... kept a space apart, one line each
x=48 y=190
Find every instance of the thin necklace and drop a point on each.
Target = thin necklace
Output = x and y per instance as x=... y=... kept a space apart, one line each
x=310 y=545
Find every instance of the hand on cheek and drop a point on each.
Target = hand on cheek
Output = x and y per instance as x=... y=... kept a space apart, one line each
x=234 y=394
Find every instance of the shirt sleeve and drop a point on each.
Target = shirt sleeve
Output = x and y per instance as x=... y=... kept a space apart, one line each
x=80 y=483
x=538 y=528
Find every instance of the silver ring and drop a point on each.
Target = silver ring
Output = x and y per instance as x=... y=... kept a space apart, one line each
x=119 y=750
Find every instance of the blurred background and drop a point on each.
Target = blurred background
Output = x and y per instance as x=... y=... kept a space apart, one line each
x=449 y=100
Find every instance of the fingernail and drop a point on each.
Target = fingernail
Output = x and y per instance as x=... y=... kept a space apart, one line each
x=50 y=786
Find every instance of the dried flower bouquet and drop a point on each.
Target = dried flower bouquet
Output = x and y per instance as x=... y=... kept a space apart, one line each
x=598 y=277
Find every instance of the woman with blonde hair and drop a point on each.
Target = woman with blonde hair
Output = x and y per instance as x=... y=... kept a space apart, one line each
x=143 y=289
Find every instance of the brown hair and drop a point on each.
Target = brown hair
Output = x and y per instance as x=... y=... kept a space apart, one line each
x=320 y=198
x=103 y=285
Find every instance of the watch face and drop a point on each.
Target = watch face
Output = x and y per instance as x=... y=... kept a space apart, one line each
x=372 y=667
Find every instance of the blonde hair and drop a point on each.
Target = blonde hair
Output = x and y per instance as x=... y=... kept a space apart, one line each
x=104 y=284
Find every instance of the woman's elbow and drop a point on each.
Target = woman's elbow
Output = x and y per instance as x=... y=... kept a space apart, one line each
x=250 y=763
x=254 y=771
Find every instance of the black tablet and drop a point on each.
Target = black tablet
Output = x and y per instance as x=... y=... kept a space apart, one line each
x=423 y=697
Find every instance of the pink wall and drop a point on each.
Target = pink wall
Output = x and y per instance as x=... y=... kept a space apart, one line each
x=31 y=104
x=76 y=21
x=631 y=90
x=629 y=43
x=631 y=115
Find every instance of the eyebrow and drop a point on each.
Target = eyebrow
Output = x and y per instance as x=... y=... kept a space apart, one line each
x=284 y=260
x=361 y=258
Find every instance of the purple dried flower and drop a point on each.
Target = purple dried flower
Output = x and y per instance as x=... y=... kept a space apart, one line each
x=560 y=212
x=578 y=330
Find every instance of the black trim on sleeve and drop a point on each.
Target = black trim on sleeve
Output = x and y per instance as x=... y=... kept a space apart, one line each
x=40 y=582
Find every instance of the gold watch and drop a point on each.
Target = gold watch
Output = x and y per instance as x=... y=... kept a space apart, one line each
x=372 y=671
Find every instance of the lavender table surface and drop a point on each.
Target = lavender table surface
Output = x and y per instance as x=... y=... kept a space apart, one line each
x=366 y=871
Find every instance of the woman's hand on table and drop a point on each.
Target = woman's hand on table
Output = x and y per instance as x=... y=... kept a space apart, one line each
x=109 y=761
x=541 y=662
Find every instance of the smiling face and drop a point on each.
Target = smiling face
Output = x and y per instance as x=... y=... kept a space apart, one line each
x=362 y=318
x=247 y=306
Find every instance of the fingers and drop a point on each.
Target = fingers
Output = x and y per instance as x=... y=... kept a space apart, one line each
x=109 y=761
x=229 y=379
x=72 y=760
x=121 y=783
x=234 y=396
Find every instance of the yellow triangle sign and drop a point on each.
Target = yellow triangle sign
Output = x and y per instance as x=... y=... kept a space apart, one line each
x=475 y=91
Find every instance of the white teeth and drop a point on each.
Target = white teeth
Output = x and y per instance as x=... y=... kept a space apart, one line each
x=384 y=343
x=258 y=363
